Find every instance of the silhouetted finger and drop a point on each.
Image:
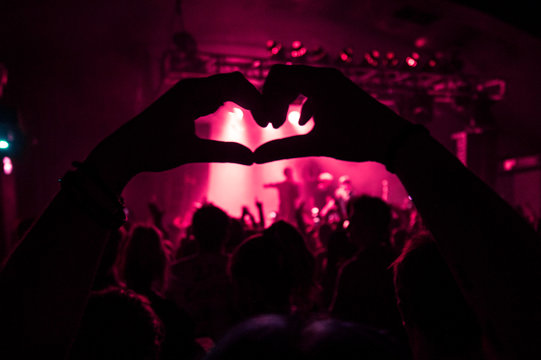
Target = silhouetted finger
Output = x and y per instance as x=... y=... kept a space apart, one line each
x=279 y=91
x=219 y=151
x=275 y=103
x=308 y=110
x=288 y=148
x=285 y=82
x=210 y=93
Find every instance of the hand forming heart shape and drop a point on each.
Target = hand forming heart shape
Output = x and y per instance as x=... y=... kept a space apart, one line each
x=349 y=124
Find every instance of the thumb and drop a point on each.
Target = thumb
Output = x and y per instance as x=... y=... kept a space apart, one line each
x=288 y=148
x=223 y=152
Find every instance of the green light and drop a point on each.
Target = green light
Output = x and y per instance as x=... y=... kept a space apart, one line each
x=4 y=144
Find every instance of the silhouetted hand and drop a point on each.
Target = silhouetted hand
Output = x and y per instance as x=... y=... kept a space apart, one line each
x=349 y=123
x=156 y=213
x=163 y=136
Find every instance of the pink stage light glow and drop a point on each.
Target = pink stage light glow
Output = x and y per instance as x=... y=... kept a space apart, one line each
x=235 y=128
x=232 y=186
x=8 y=165
x=509 y=164
x=411 y=61
x=293 y=117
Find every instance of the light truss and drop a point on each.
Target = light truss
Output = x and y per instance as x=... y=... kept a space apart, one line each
x=380 y=82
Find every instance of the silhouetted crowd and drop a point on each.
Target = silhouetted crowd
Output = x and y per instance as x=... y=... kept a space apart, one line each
x=373 y=271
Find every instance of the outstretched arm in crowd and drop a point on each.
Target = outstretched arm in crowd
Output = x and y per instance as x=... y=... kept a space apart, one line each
x=47 y=279
x=493 y=253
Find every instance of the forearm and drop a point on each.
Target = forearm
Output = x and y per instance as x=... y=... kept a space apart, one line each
x=48 y=278
x=492 y=251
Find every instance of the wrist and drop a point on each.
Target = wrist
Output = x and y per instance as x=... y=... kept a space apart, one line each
x=88 y=191
x=113 y=174
x=112 y=163
x=399 y=141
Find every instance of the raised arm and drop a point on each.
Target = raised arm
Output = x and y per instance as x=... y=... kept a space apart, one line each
x=47 y=279
x=493 y=253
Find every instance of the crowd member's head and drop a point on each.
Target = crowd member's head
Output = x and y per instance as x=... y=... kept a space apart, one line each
x=324 y=180
x=344 y=182
x=281 y=337
x=106 y=274
x=272 y=271
x=370 y=221
x=145 y=260
x=237 y=234
x=118 y=324
x=288 y=173
x=439 y=322
x=210 y=226
x=339 y=249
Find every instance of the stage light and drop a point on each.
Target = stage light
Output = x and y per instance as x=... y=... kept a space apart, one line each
x=236 y=114
x=509 y=164
x=421 y=42
x=275 y=48
x=372 y=58
x=522 y=163
x=390 y=59
x=293 y=117
x=10 y=132
x=296 y=45
x=8 y=165
x=297 y=49
x=411 y=62
x=431 y=65
x=346 y=55
x=234 y=130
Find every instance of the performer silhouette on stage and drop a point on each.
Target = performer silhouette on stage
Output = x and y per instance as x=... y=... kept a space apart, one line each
x=335 y=200
x=288 y=193
x=343 y=194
